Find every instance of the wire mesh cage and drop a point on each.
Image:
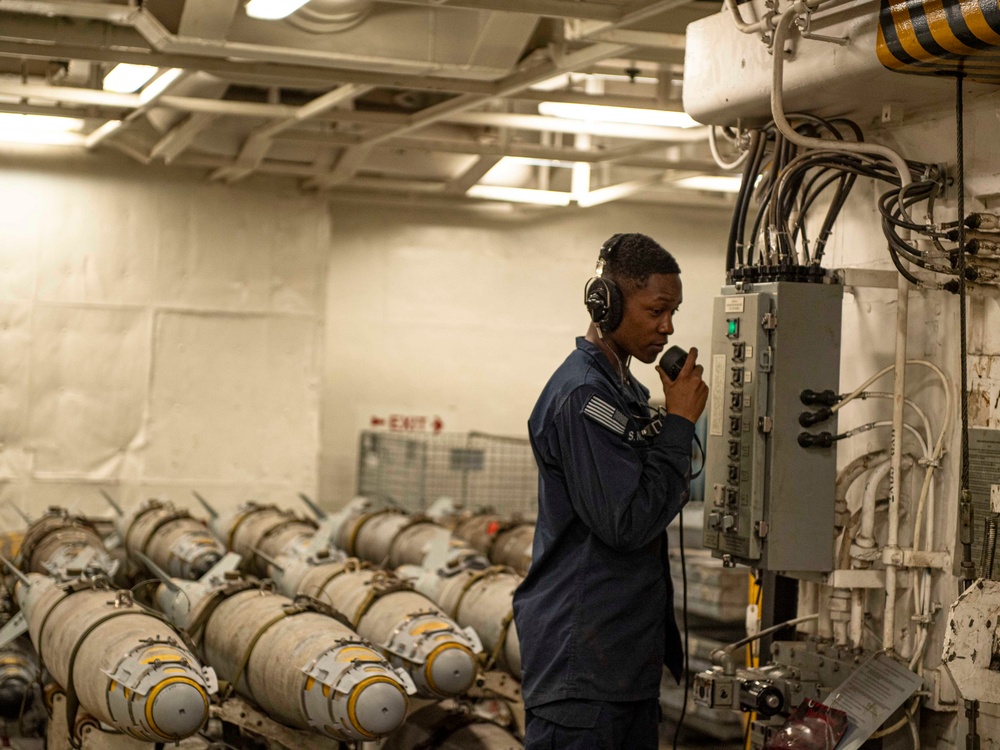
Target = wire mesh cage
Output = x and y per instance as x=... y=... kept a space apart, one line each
x=478 y=470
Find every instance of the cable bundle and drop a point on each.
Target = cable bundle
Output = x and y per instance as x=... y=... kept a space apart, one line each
x=787 y=182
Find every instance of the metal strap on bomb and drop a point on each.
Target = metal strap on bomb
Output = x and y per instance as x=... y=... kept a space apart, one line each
x=70 y=588
x=350 y=565
x=305 y=603
x=494 y=654
x=172 y=515
x=251 y=508
x=218 y=596
x=380 y=585
x=415 y=520
x=38 y=531
x=298 y=607
x=289 y=521
x=72 y=703
x=504 y=625
x=473 y=580
x=360 y=521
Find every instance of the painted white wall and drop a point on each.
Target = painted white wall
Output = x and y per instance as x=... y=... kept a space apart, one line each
x=465 y=316
x=156 y=332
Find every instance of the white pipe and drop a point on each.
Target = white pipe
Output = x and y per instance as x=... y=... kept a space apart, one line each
x=895 y=474
x=825 y=625
x=778 y=110
x=713 y=146
x=750 y=27
x=866 y=533
x=857 y=616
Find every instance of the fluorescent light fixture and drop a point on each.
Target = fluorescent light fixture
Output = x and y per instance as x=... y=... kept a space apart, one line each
x=712 y=183
x=125 y=78
x=627 y=115
x=161 y=84
x=44 y=129
x=568 y=80
x=271 y=10
x=519 y=195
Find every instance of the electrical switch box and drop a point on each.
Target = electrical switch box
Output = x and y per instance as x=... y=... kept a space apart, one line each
x=770 y=501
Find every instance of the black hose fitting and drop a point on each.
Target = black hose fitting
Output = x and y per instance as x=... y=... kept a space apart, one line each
x=809 y=418
x=821 y=440
x=824 y=398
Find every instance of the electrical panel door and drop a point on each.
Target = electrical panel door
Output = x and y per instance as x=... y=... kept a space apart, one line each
x=769 y=502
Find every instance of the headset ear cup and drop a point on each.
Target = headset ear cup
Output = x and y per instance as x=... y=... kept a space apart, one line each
x=596 y=299
x=616 y=307
x=604 y=302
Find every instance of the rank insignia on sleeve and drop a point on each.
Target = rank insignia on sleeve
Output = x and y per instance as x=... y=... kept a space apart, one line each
x=606 y=415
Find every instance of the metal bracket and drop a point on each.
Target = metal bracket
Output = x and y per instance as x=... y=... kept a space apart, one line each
x=769 y=322
x=908 y=558
x=804 y=22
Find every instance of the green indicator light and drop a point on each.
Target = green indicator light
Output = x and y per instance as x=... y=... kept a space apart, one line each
x=734 y=327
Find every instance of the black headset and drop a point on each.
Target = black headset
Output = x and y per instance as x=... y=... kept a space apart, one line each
x=602 y=296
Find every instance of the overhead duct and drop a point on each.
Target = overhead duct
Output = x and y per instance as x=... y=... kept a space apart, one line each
x=330 y=16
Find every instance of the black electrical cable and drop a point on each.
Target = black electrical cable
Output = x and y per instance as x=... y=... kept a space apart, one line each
x=751 y=190
x=966 y=514
x=966 y=520
x=734 y=248
x=684 y=615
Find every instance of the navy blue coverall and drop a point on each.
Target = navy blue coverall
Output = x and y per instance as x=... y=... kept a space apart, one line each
x=595 y=613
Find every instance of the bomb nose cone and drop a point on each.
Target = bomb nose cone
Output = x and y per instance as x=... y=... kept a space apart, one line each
x=15 y=695
x=450 y=669
x=379 y=706
x=178 y=708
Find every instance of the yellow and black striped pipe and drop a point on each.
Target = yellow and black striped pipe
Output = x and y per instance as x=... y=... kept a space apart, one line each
x=941 y=37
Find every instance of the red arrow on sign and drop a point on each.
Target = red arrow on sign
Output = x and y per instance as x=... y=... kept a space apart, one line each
x=377 y=421
x=438 y=425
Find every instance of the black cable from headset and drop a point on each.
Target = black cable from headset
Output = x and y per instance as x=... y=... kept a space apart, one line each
x=701 y=448
x=684 y=603
x=684 y=610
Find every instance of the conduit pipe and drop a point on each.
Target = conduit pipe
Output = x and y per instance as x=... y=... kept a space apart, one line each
x=902 y=299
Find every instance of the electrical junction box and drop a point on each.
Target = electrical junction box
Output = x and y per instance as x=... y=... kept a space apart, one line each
x=769 y=502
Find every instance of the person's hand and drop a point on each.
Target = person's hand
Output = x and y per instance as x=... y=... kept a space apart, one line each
x=686 y=396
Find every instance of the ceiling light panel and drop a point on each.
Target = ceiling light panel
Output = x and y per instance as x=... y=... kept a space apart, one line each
x=126 y=78
x=270 y=10
x=623 y=115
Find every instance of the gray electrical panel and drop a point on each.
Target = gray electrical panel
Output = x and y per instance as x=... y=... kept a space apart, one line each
x=769 y=502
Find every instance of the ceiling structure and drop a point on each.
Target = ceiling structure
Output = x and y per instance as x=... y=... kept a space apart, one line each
x=450 y=102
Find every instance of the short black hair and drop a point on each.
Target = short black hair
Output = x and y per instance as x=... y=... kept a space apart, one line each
x=630 y=259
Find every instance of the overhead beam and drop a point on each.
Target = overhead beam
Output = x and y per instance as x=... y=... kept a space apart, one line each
x=51 y=38
x=547 y=8
x=259 y=142
x=472 y=175
x=179 y=137
x=589 y=29
x=347 y=166
x=654 y=39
